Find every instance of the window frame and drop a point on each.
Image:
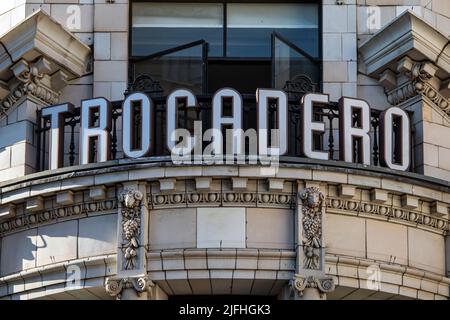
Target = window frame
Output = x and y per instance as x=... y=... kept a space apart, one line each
x=319 y=59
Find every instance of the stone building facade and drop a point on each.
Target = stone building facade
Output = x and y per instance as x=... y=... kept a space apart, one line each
x=150 y=229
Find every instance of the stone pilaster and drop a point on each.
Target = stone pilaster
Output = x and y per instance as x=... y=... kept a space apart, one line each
x=310 y=281
x=131 y=281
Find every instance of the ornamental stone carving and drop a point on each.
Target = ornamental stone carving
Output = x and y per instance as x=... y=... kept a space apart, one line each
x=322 y=284
x=312 y=200
x=131 y=225
x=33 y=79
x=115 y=287
x=420 y=79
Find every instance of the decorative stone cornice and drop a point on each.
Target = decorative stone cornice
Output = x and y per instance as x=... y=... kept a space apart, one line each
x=389 y=212
x=114 y=287
x=32 y=79
x=323 y=284
x=407 y=35
x=37 y=57
x=409 y=57
x=52 y=215
x=411 y=79
x=40 y=34
x=221 y=198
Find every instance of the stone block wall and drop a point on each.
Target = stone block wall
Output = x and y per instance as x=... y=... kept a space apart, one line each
x=11 y=13
x=339 y=49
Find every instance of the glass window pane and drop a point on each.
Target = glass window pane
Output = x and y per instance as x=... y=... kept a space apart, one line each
x=161 y=26
x=251 y=25
x=290 y=65
x=180 y=69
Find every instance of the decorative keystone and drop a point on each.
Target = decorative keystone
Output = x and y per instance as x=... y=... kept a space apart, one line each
x=410 y=202
x=439 y=208
x=97 y=193
x=378 y=196
x=346 y=191
x=35 y=204
x=276 y=184
x=64 y=198
x=7 y=211
x=239 y=183
x=203 y=183
x=167 y=184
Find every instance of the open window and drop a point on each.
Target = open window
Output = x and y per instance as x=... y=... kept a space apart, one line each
x=243 y=45
x=293 y=69
x=180 y=67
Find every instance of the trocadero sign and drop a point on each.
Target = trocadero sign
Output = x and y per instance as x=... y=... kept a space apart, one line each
x=183 y=144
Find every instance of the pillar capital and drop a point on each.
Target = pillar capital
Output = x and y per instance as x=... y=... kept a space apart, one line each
x=413 y=78
x=33 y=80
x=322 y=285
x=129 y=288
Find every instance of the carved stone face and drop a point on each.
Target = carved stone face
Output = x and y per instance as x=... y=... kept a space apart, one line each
x=130 y=198
x=312 y=197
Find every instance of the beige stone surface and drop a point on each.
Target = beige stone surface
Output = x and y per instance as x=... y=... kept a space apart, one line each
x=387 y=242
x=57 y=242
x=104 y=22
x=345 y=235
x=18 y=252
x=270 y=228
x=110 y=71
x=426 y=250
x=92 y=241
x=172 y=228
x=221 y=227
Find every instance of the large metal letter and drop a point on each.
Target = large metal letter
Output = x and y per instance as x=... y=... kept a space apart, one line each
x=347 y=132
x=56 y=133
x=146 y=106
x=262 y=100
x=172 y=117
x=309 y=126
x=386 y=135
x=101 y=131
x=235 y=120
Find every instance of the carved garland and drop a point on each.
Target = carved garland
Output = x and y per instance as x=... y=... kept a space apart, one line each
x=312 y=199
x=114 y=287
x=131 y=225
